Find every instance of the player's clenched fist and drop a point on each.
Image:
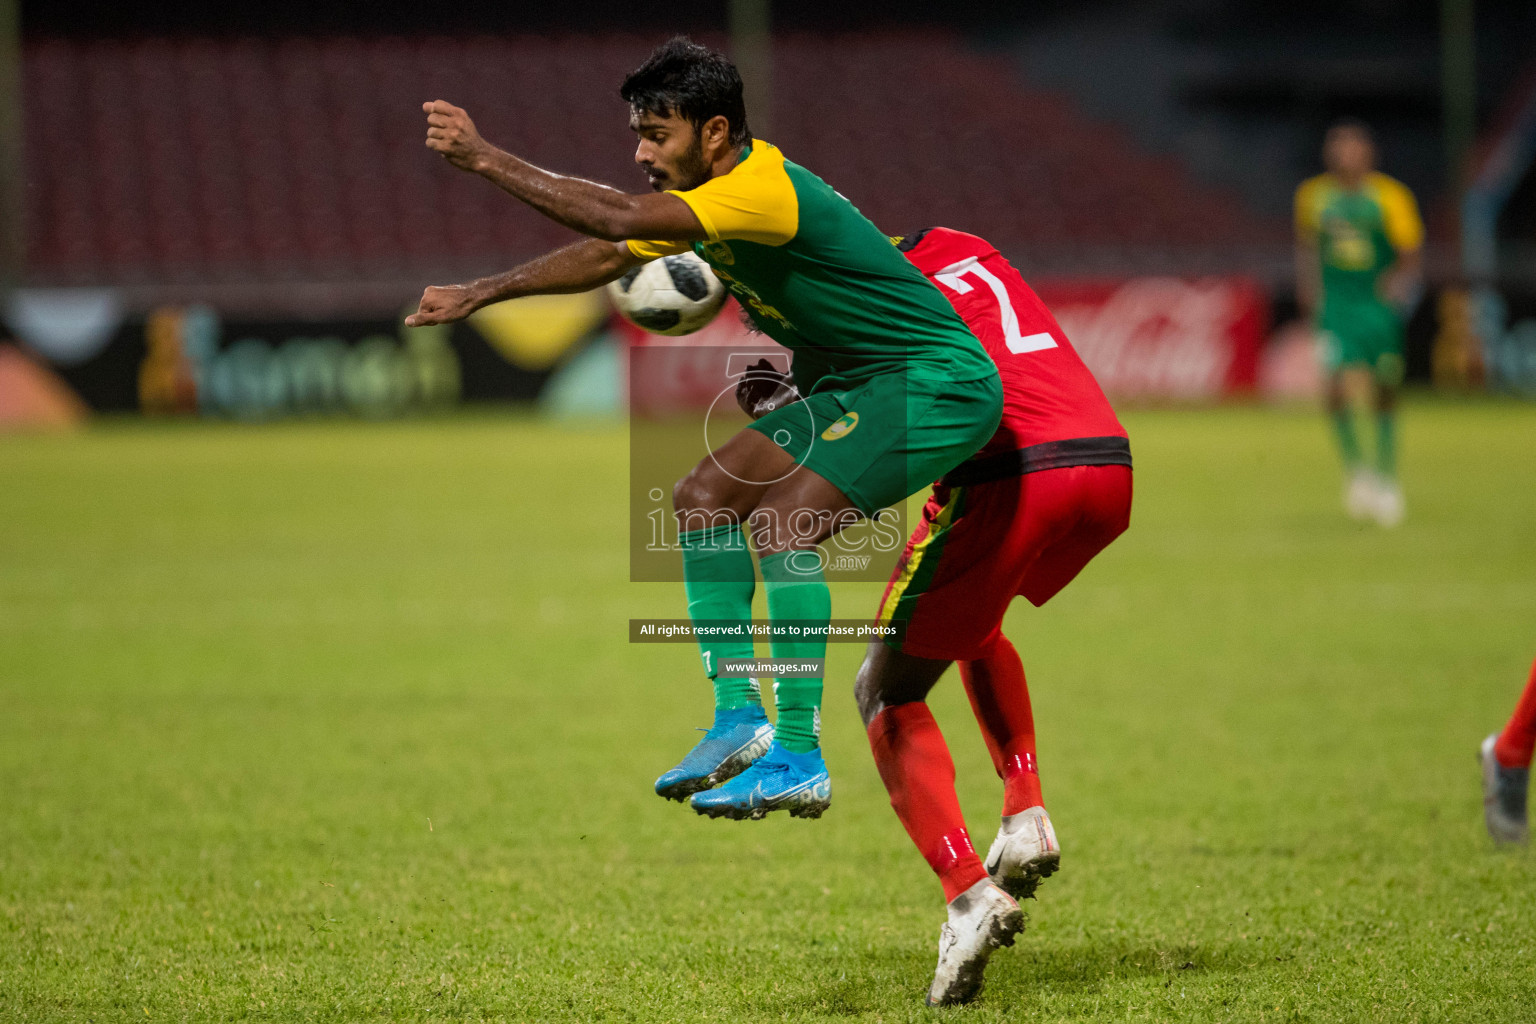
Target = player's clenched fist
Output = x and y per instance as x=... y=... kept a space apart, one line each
x=443 y=304
x=451 y=133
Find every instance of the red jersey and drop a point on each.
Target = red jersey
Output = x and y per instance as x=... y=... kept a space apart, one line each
x=1049 y=395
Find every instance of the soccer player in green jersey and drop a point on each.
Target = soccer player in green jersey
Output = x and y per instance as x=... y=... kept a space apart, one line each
x=1358 y=239
x=897 y=389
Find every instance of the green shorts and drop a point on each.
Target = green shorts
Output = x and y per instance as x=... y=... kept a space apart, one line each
x=1363 y=333
x=889 y=437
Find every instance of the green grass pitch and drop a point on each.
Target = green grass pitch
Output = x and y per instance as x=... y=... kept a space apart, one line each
x=338 y=722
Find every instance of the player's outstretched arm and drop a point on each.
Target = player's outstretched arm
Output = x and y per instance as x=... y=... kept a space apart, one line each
x=1405 y=230
x=578 y=267
x=585 y=206
x=1401 y=279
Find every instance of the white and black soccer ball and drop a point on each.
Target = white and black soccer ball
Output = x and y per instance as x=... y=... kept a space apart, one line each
x=673 y=295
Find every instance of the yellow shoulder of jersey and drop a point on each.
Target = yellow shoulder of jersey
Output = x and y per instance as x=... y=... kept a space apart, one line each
x=1311 y=195
x=1399 y=212
x=755 y=201
x=656 y=250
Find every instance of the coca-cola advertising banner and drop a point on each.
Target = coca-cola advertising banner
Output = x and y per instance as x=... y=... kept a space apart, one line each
x=1165 y=338
x=1151 y=339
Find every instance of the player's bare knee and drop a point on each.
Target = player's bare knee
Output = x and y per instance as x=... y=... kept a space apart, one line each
x=698 y=493
x=689 y=493
x=889 y=677
x=866 y=684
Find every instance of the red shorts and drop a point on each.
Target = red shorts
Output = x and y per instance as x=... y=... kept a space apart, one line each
x=980 y=546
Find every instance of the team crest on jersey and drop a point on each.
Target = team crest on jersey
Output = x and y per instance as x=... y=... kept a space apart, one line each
x=720 y=253
x=842 y=428
x=1348 y=247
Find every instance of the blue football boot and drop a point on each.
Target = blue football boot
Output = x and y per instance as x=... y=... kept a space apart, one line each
x=780 y=780
x=738 y=737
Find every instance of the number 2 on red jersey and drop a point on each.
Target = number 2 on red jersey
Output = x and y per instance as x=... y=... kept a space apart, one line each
x=951 y=277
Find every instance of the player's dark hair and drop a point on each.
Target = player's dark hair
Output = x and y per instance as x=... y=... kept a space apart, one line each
x=692 y=81
x=1353 y=124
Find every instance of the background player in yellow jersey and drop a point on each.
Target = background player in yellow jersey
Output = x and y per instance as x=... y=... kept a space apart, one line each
x=1358 y=240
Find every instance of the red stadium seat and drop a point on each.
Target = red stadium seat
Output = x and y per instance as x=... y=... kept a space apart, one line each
x=305 y=157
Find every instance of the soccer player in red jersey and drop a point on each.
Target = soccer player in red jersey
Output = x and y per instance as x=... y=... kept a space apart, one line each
x=1506 y=761
x=1023 y=516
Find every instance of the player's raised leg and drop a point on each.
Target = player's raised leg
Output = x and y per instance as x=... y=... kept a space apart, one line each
x=711 y=504
x=919 y=775
x=1025 y=850
x=794 y=515
x=1505 y=758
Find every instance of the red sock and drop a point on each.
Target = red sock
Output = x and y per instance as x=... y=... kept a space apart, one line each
x=915 y=766
x=1515 y=743
x=1000 y=698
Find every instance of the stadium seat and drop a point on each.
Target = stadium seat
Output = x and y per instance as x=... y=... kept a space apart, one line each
x=303 y=157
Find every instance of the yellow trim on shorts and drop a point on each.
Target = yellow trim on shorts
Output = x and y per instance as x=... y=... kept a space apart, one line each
x=940 y=523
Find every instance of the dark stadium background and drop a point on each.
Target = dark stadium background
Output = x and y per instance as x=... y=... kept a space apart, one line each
x=165 y=168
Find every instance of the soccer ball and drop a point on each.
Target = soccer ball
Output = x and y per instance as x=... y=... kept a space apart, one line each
x=673 y=295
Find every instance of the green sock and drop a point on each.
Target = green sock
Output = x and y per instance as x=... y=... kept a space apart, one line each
x=1344 y=433
x=797 y=590
x=717 y=575
x=1386 y=444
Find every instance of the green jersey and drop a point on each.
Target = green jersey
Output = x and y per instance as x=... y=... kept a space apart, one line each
x=1358 y=232
x=821 y=280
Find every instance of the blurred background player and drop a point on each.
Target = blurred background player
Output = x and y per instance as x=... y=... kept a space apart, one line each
x=1047 y=493
x=1358 y=240
x=1505 y=758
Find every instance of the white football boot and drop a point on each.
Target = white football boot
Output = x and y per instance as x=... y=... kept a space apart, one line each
x=1024 y=853
x=1360 y=495
x=1388 y=508
x=980 y=919
x=1504 y=796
